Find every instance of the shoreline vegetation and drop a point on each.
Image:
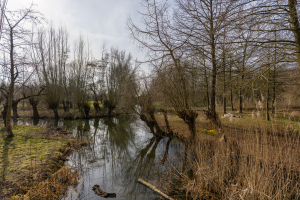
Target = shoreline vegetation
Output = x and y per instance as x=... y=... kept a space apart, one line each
x=33 y=162
x=249 y=158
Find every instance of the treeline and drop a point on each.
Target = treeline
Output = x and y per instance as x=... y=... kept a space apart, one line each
x=209 y=53
x=39 y=64
x=202 y=54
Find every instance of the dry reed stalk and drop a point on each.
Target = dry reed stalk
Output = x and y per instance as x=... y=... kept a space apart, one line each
x=258 y=165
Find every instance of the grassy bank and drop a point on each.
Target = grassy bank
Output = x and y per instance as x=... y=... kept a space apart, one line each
x=259 y=159
x=31 y=156
x=280 y=123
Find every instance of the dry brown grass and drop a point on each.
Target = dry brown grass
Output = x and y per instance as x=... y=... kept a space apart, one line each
x=259 y=167
x=258 y=160
x=52 y=188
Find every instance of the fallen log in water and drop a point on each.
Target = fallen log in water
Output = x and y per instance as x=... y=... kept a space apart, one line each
x=99 y=192
x=154 y=188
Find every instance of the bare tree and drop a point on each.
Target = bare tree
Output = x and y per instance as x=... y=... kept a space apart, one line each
x=16 y=36
x=80 y=75
x=206 y=21
x=119 y=71
x=53 y=53
x=165 y=45
x=2 y=16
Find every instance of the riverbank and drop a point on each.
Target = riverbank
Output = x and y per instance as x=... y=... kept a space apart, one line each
x=32 y=156
x=281 y=123
x=258 y=159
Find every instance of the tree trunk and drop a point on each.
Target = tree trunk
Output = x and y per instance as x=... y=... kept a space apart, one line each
x=268 y=98
x=214 y=78
x=165 y=113
x=274 y=97
x=192 y=127
x=56 y=116
x=213 y=117
x=274 y=77
x=231 y=93
x=67 y=106
x=15 y=110
x=86 y=110
x=34 y=104
x=110 y=109
x=144 y=118
x=206 y=82
x=155 y=124
x=36 y=121
x=11 y=87
x=64 y=106
x=224 y=79
x=267 y=109
x=97 y=107
x=292 y=4
x=241 y=101
x=79 y=106
x=213 y=59
x=243 y=76
x=189 y=117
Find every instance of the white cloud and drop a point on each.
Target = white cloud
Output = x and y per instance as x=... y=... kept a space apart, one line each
x=100 y=20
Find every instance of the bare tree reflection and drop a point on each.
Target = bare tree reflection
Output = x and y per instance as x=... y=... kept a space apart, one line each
x=121 y=150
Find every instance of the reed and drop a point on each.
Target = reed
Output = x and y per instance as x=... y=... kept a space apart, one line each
x=256 y=165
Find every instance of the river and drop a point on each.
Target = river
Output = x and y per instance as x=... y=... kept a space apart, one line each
x=120 y=151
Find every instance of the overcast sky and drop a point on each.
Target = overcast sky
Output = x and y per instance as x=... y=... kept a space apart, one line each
x=100 y=20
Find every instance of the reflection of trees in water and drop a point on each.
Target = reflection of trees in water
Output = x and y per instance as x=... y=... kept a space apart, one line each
x=79 y=127
x=127 y=155
x=82 y=130
x=123 y=152
x=166 y=151
x=143 y=165
x=119 y=141
x=92 y=146
x=174 y=157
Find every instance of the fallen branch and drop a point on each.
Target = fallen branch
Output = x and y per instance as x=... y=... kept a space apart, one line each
x=103 y=194
x=154 y=188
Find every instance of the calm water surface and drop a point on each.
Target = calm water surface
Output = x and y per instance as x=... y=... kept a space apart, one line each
x=121 y=150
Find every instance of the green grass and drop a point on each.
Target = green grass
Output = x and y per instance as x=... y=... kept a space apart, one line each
x=26 y=154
